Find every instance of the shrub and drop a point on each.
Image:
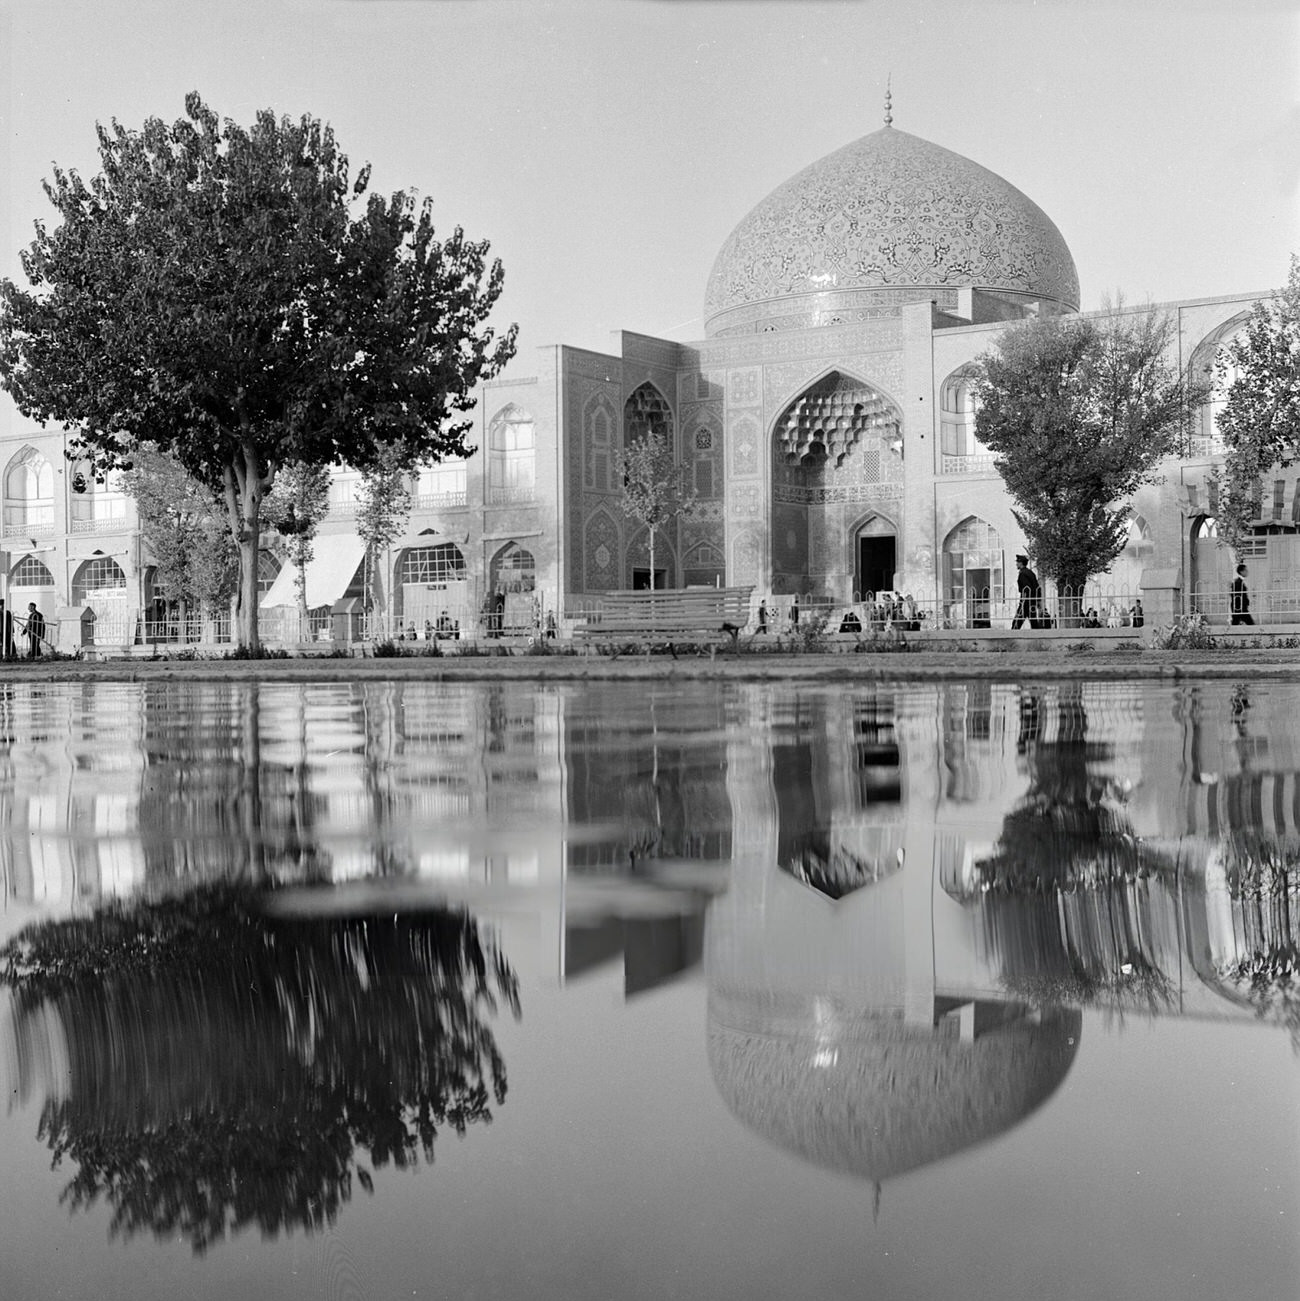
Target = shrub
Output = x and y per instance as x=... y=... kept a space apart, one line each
x=1187 y=632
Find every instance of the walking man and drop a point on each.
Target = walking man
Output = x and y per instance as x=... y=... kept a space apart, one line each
x=35 y=631
x=1239 y=598
x=1031 y=594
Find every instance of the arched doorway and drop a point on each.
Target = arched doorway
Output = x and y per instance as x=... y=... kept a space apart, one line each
x=875 y=556
x=836 y=448
x=1212 y=568
x=973 y=574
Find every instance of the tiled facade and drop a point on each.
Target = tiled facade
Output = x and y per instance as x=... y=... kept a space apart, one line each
x=823 y=424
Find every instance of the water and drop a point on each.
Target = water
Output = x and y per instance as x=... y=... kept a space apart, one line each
x=637 y=990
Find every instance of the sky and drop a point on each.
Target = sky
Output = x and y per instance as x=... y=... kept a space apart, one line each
x=606 y=148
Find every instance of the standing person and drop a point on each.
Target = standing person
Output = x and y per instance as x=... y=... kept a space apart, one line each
x=1137 y=615
x=762 y=616
x=1239 y=598
x=1031 y=595
x=35 y=631
x=794 y=611
x=498 y=613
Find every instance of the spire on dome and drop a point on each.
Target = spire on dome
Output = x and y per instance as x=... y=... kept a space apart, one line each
x=889 y=99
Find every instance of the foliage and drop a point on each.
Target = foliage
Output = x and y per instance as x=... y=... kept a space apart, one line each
x=230 y=295
x=183 y=527
x=383 y=506
x=1081 y=411
x=1187 y=632
x=229 y=1069
x=654 y=486
x=295 y=508
x=1260 y=418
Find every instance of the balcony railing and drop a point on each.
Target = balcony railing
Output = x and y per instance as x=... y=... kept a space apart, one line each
x=440 y=500
x=107 y=524
x=985 y=463
x=512 y=495
x=29 y=529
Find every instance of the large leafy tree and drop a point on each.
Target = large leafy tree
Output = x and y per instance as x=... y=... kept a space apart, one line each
x=1081 y=411
x=654 y=486
x=230 y=295
x=1260 y=418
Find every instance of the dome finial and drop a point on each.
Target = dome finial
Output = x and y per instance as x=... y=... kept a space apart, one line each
x=889 y=100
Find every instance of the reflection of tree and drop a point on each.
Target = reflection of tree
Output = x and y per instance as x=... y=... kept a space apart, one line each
x=1262 y=878
x=227 y=1068
x=1065 y=887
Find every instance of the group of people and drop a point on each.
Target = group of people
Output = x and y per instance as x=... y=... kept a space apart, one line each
x=1031 y=610
x=1133 y=617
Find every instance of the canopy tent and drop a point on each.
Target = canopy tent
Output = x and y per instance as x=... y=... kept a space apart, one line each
x=336 y=557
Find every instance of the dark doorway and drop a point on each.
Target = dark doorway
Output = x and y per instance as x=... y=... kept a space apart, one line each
x=877 y=561
x=641 y=580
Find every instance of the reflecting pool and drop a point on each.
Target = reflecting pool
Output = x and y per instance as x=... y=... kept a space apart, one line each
x=640 y=990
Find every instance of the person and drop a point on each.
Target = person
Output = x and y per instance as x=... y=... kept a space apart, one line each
x=35 y=631
x=1090 y=620
x=1137 y=617
x=550 y=625
x=762 y=616
x=794 y=611
x=1112 y=616
x=498 y=613
x=1239 y=598
x=428 y=630
x=1031 y=593
x=850 y=622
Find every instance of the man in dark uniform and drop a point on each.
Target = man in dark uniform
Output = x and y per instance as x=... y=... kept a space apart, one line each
x=1031 y=595
x=1239 y=599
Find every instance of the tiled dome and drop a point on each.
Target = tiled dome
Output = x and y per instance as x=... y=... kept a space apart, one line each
x=890 y=218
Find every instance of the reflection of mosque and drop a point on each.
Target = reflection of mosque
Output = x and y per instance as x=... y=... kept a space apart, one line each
x=903 y=895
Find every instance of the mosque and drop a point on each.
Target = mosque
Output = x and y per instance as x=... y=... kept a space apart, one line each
x=825 y=423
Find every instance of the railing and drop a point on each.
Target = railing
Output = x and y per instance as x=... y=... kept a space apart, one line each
x=29 y=529
x=1279 y=603
x=114 y=524
x=441 y=500
x=983 y=464
x=511 y=496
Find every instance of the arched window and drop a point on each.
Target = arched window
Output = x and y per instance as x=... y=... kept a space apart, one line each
x=95 y=507
x=512 y=456
x=268 y=570
x=972 y=573
x=30 y=572
x=442 y=485
x=433 y=566
x=599 y=420
x=29 y=494
x=962 y=452
x=514 y=570
x=99 y=577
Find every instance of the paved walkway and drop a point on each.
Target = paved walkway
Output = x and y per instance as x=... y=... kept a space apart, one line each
x=1001 y=666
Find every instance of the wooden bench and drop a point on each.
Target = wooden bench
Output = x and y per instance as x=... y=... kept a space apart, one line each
x=672 y=618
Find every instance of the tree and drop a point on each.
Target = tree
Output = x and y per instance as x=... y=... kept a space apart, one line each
x=1081 y=411
x=227 y=1069
x=295 y=508
x=222 y=293
x=1260 y=419
x=383 y=505
x=654 y=488
x=182 y=525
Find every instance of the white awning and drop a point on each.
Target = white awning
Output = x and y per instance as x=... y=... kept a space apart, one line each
x=335 y=559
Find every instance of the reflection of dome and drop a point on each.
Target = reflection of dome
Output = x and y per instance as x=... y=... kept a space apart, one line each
x=871 y=1096
x=887 y=219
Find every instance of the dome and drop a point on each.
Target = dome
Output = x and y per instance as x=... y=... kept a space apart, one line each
x=871 y=1096
x=888 y=219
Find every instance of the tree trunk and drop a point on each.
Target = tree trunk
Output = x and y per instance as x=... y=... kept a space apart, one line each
x=652 y=557
x=1069 y=599
x=246 y=483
